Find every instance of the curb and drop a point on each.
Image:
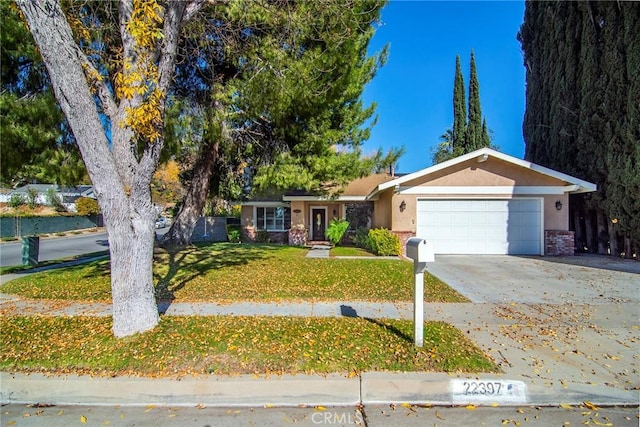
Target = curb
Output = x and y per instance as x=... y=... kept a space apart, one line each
x=370 y=388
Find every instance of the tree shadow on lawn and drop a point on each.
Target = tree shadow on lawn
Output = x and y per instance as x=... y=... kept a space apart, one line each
x=198 y=260
x=348 y=311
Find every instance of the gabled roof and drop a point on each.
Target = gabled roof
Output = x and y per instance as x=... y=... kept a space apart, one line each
x=576 y=185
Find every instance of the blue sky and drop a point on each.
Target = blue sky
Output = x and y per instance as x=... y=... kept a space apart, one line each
x=414 y=90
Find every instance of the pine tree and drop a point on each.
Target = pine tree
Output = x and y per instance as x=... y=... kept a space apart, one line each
x=459 y=109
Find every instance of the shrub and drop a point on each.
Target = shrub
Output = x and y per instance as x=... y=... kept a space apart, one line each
x=86 y=206
x=32 y=197
x=262 y=236
x=16 y=200
x=54 y=200
x=384 y=243
x=361 y=239
x=336 y=230
x=233 y=233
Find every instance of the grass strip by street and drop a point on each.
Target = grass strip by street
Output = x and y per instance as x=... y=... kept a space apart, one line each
x=228 y=345
x=237 y=272
x=26 y=268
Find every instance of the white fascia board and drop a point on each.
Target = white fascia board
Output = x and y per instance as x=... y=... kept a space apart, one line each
x=324 y=199
x=267 y=204
x=304 y=199
x=483 y=190
x=585 y=186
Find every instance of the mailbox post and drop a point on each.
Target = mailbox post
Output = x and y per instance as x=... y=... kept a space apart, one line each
x=421 y=252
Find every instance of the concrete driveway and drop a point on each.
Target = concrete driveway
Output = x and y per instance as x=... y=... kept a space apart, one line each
x=567 y=326
x=581 y=279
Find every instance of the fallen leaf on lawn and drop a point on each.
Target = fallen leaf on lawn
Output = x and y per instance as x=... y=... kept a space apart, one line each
x=83 y=419
x=566 y=406
x=149 y=407
x=405 y=405
x=590 y=405
x=320 y=408
x=471 y=407
x=598 y=423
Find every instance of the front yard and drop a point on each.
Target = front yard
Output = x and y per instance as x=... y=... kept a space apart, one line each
x=235 y=272
x=230 y=345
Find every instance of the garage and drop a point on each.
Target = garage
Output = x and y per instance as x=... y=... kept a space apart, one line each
x=482 y=226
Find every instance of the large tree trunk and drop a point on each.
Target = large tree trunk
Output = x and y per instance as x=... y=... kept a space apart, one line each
x=121 y=178
x=182 y=227
x=603 y=234
x=216 y=133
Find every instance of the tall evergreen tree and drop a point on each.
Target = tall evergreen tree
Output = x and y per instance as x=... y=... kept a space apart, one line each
x=582 y=113
x=468 y=133
x=296 y=122
x=474 y=125
x=34 y=140
x=459 y=109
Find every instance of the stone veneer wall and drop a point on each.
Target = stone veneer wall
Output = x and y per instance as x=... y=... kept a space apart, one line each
x=404 y=236
x=298 y=237
x=558 y=242
x=249 y=234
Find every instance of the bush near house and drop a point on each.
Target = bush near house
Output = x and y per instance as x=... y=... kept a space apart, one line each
x=86 y=206
x=233 y=233
x=263 y=236
x=335 y=231
x=384 y=243
x=361 y=238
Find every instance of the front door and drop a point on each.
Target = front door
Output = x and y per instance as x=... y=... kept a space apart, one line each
x=318 y=217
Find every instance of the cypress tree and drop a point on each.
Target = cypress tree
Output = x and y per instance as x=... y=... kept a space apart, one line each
x=459 y=110
x=582 y=114
x=474 y=126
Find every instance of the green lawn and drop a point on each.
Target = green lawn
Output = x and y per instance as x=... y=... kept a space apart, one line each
x=233 y=272
x=349 y=251
x=233 y=345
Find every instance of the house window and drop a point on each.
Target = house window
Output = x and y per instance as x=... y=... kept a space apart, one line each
x=273 y=219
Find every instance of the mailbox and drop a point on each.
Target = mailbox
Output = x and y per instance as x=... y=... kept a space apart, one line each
x=421 y=252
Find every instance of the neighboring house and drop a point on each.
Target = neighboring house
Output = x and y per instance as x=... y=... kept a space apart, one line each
x=68 y=195
x=484 y=202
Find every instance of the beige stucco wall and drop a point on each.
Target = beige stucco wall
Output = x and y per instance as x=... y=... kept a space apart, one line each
x=246 y=216
x=403 y=220
x=298 y=214
x=493 y=172
x=382 y=210
x=556 y=219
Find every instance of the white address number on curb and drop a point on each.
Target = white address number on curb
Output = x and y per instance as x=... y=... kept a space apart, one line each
x=488 y=391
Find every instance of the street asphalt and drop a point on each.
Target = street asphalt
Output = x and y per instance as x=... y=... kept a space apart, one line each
x=563 y=350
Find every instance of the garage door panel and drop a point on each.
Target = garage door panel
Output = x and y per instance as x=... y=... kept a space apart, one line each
x=481 y=226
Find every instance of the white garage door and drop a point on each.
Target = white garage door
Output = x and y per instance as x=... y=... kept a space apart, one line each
x=481 y=226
